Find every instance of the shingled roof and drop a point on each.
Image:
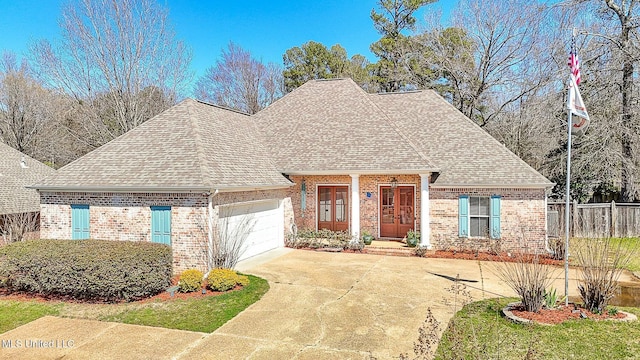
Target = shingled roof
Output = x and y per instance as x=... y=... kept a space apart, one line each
x=193 y=146
x=334 y=126
x=17 y=171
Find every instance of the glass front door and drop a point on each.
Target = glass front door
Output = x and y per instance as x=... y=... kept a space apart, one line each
x=397 y=214
x=333 y=208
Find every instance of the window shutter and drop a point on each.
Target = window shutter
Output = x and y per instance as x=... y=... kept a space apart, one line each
x=79 y=222
x=494 y=220
x=463 y=216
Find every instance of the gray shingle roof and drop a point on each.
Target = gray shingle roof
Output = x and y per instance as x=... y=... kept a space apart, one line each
x=333 y=125
x=191 y=146
x=465 y=154
x=14 y=196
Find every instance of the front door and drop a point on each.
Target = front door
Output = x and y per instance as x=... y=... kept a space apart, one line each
x=396 y=211
x=333 y=208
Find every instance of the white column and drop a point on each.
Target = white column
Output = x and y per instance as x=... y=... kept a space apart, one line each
x=355 y=206
x=425 y=216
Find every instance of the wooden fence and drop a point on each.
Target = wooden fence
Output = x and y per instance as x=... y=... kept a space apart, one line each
x=595 y=220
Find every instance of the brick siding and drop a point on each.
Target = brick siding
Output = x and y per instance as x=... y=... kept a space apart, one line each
x=522 y=211
x=127 y=217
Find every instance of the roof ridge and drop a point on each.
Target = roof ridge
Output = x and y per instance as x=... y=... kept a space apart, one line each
x=202 y=160
x=220 y=106
x=396 y=127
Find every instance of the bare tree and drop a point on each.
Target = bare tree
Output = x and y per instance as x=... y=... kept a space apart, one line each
x=240 y=82
x=26 y=107
x=19 y=226
x=491 y=58
x=110 y=54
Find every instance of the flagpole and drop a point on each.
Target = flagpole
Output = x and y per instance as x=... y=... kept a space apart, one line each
x=567 y=214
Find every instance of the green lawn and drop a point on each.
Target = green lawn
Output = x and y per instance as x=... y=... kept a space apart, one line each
x=631 y=245
x=204 y=315
x=481 y=333
x=16 y=313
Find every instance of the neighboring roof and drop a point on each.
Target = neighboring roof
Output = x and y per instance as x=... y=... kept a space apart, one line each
x=193 y=146
x=333 y=126
x=18 y=170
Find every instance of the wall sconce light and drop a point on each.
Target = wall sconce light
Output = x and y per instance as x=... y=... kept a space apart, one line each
x=394 y=182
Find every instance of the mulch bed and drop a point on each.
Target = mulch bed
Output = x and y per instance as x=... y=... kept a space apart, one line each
x=484 y=256
x=444 y=254
x=561 y=314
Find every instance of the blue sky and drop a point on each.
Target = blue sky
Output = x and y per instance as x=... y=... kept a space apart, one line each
x=265 y=28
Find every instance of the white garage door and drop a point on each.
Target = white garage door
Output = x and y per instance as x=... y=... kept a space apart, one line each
x=260 y=222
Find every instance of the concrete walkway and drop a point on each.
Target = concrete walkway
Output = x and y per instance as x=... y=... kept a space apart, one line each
x=320 y=306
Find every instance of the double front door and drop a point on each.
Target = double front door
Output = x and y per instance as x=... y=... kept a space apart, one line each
x=397 y=211
x=333 y=208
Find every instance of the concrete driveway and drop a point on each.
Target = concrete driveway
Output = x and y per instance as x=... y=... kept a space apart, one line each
x=320 y=306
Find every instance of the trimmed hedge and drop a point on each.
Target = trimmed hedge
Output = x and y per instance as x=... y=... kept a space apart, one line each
x=97 y=270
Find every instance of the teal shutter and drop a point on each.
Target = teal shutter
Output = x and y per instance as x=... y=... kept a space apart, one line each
x=494 y=220
x=161 y=224
x=463 y=216
x=79 y=222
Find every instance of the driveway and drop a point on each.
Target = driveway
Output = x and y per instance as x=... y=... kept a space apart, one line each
x=320 y=306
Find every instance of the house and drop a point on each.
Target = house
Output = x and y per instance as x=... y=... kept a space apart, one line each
x=19 y=205
x=389 y=163
x=327 y=155
x=175 y=179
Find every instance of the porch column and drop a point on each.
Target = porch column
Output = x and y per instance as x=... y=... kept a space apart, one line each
x=425 y=216
x=355 y=206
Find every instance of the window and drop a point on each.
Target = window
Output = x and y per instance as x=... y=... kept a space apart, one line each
x=79 y=222
x=479 y=216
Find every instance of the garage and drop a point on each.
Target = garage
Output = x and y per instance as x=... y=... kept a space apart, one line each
x=258 y=224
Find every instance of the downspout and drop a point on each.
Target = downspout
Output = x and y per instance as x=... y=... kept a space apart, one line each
x=210 y=225
x=546 y=226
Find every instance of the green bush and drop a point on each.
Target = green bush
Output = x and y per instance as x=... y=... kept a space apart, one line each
x=225 y=279
x=97 y=270
x=190 y=280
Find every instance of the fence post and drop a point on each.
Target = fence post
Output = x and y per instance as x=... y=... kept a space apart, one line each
x=614 y=219
x=574 y=231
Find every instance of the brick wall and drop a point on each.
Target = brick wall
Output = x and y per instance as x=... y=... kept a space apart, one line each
x=522 y=219
x=522 y=210
x=127 y=217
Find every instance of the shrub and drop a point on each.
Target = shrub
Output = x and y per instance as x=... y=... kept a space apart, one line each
x=225 y=279
x=190 y=280
x=87 y=269
x=528 y=278
x=309 y=238
x=601 y=262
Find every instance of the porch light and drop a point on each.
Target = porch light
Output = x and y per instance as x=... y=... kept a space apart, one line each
x=394 y=182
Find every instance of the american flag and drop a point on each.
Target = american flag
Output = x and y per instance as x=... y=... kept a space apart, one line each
x=574 y=64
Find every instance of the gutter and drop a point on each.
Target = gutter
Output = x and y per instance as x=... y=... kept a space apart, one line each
x=154 y=189
x=210 y=235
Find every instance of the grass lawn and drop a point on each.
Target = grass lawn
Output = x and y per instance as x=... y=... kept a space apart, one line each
x=204 y=315
x=481 y=333
x=17 y=313
x=631 y=245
